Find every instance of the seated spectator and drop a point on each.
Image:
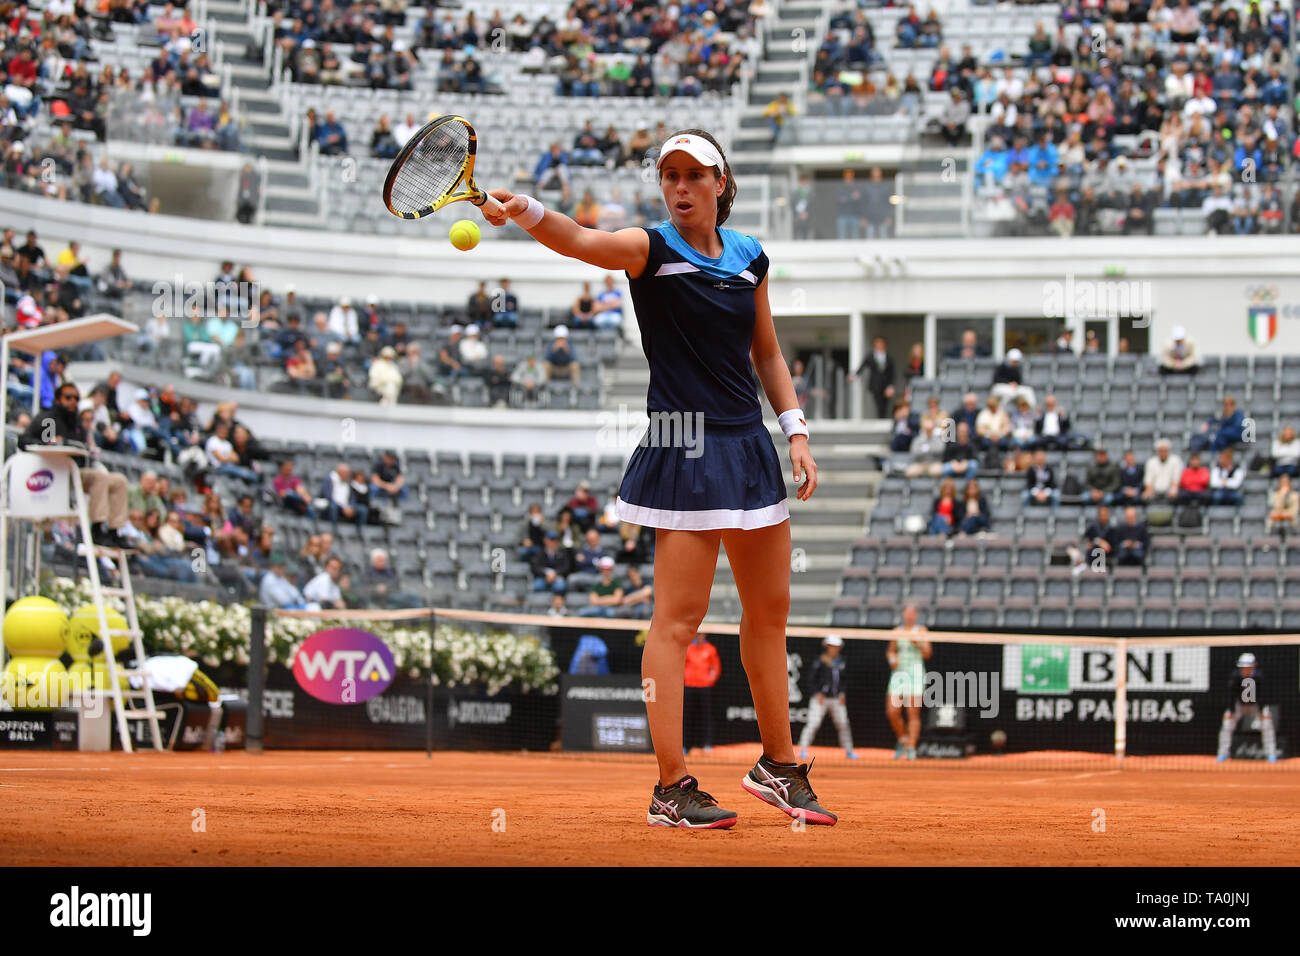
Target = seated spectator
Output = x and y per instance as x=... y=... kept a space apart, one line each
x=1102 y=479
x=584 y=507
x=290 y=489
x=505 y=313
x=638 y=597
x=1132 y=539
x=551 y=566
x=1223 y=432
x=301 y=365
x=1099 y=539
x=478 y=309
x=1286 y=454
x=1022 y=422
x=944 y=510
x=384 y=377
x=552 y=171
x=1162 y=474
x=583 y=313
x=277 y=591
x=222 y=457
x=154 y=557
x=1052 y=427
x=1227 y=478
x=1194 y=483
x=609 y=307
x=587 y=559
x=637 y=544
x=449 y=362
x=1131 y=481
x=960 y=459
x=560 y=358
x=387 y=483
x=338 y=498
x=381 y=583
x=969 y=347
x=1283 y=506
x=928 y=447
x=968 y=412
x=608 y=522
x=532 y=530
x=331 y=136
x=417 y=384
x=905 y=428
x=144 y=497
x=586 y=147
x=473 y=352
x=1007 y=378
x=557 y=607
x=1179 y=356
x=323 y=589
x=974 y=509
x=606 y=596
x=1040 y=483
x=529 y=375
x=993 y=425
x=497 y=379
x=383 y=144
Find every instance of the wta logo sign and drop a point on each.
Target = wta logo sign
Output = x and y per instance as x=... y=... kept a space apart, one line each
x=41 y=480
x=343 y=666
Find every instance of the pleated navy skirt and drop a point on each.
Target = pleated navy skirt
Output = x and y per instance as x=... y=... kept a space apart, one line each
x=732 y=478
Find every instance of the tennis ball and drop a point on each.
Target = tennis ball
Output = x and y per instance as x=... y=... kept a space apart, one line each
x=464 y=235
x=83 y=627
x=35 y=626
x=34 y=682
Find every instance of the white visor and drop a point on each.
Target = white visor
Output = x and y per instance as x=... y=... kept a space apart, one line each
x=696 y=146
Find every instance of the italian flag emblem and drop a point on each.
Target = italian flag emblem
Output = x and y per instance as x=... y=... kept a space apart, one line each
x=1262 y=324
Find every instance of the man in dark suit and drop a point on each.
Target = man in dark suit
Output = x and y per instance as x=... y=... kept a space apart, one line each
x=1040 y=483
x=1132 y=539
x=880 y=377
x=1099 y=536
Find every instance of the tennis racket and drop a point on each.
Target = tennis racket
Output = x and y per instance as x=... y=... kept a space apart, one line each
x=435 y=163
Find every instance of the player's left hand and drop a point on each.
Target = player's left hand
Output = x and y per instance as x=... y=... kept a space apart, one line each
x=802 y=460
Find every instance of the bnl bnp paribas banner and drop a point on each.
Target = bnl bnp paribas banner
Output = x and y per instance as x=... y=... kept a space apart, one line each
x=1063 y=696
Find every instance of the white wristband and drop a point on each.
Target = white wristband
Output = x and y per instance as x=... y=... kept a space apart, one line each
x=530 y=216
x=792 y=423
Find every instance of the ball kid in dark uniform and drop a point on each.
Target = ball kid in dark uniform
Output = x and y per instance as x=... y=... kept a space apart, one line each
x=1243 y=700
x=706 y=473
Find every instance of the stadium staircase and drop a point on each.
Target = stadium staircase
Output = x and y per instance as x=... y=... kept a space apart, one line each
x=289 y=200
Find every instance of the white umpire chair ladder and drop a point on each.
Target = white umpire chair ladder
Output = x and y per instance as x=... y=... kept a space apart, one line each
x=46 y=486
x=65 y=498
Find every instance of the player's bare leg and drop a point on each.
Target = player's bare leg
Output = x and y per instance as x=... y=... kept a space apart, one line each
x=894 y=711
x=760 y=562
x=685 y=562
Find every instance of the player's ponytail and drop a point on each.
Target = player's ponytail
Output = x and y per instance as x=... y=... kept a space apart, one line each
x=729 y=191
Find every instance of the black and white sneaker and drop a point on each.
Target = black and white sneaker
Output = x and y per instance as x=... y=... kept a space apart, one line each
x=684 y=804
x=785 y=786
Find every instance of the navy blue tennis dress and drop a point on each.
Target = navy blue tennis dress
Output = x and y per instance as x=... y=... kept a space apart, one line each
x=707 y=460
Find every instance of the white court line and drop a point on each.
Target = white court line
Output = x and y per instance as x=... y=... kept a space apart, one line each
x=1076 y=776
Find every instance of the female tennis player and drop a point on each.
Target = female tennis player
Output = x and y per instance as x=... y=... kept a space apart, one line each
x=700 y=294
x=907 y=656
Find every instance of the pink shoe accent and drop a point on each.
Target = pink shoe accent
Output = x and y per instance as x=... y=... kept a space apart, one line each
x=809 y=816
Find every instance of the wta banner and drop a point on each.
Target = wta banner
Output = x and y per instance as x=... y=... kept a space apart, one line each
x=397 y=718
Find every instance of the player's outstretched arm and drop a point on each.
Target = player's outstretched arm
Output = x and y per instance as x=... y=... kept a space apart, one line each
x=627 y=249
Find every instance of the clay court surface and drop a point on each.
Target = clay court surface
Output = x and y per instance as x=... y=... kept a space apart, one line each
x=402 y=808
